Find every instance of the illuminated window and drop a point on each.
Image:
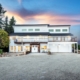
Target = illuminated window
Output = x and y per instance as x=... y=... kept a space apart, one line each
x=43 y=47
x=14 y=48
x=11 y=48
x=28 y=37
x=28 y=48
x=19 y=48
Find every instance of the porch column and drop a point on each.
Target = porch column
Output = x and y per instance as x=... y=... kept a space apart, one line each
x=77 y=47
x=74 y=48
x=22 y=44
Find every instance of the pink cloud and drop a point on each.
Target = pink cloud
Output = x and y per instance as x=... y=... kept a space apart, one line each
x=45 y=18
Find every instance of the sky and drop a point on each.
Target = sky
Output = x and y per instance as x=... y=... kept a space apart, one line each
x=54 y=12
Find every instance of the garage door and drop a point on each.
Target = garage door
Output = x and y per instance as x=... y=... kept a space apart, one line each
x=60 y=47
x=63 y=48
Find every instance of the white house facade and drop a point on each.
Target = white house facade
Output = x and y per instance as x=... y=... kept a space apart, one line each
x=42 y=38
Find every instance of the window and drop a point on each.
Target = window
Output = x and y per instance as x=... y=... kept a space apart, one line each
x=64 y=30
x=51 y=30
x=24 y=30
x=57 y=30
x=14 y=48
x=37 y=29
x=30 y=29
x=11 y=48
x=28 y=48
x=19 y=48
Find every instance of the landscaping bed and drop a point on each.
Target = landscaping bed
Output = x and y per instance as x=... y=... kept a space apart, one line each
x=6 y=54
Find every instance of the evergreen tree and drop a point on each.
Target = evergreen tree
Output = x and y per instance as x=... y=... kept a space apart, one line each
x=6 y=25
x=2 y=12
x=11 y=23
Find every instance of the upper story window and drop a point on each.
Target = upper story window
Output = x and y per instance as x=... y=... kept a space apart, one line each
x=51 y=30
x=64 y=30
x=58 y=30
x=24 y=30
x=37 y=29
x=30 y=29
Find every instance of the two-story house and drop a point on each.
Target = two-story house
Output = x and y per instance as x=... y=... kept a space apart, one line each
x=41 y=38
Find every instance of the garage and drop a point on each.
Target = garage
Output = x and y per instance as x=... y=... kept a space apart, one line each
x=60 y=47
x=63 y=48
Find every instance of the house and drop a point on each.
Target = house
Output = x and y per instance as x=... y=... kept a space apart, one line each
x=42 y=38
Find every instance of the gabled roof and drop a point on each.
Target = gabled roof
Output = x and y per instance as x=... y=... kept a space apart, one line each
x=31 y=34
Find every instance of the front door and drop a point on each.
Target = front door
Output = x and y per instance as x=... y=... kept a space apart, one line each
x=34 y=48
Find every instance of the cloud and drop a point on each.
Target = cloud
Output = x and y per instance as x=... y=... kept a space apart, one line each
x=23 y=12
x=57 y=19
x=19 y=20
x=20 y=1
x=23 y=16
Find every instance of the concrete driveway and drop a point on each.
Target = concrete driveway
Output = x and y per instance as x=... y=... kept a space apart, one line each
x=59 y=66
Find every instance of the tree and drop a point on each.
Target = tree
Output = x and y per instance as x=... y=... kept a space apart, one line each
x=2 y=12
x=11 y=23
x=4 y=39
x=6 y=25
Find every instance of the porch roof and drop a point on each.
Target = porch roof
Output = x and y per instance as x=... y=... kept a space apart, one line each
x=41 y=33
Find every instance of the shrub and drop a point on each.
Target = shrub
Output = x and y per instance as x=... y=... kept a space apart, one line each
x=49 y=52
x=1 y=51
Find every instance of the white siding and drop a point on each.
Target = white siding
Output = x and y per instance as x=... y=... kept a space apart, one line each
x=18 y=29
x=45 y=28
x=61 y=28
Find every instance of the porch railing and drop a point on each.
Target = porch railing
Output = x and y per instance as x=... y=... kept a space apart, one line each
x=32 y=40
x=73 y=39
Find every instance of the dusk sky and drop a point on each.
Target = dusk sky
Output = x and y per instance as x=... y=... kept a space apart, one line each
x=56 y=12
